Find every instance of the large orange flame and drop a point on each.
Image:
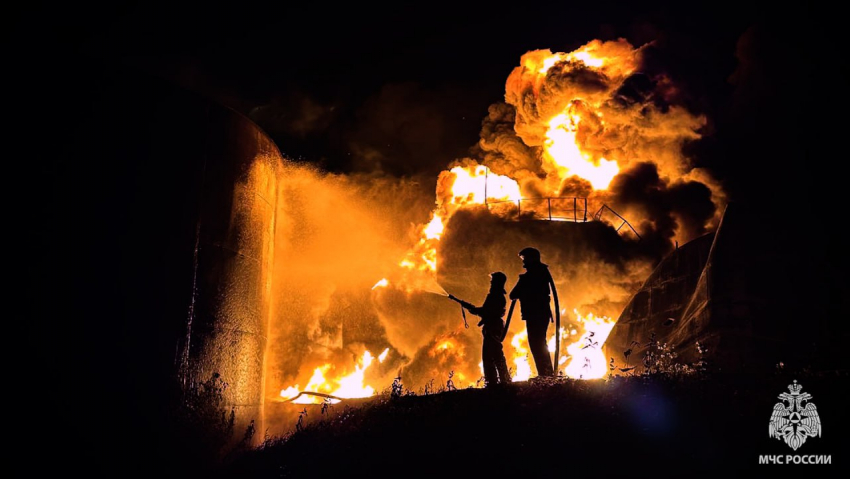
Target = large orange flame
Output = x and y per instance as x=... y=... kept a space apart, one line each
x=345 y=386
x=522 y=371
x=584 y=358
x=477 y=185
x=564 y=151
x=468 y=185
x=564 y=155
x=565 y=121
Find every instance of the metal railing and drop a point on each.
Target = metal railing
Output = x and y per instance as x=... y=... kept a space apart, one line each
x=573 y=209
x=598 y=217
x=551 y=208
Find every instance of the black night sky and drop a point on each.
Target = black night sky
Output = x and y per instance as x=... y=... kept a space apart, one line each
x=412 y=82
x=402 y=90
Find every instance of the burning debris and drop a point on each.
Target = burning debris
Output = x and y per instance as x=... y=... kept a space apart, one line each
x=319 y=388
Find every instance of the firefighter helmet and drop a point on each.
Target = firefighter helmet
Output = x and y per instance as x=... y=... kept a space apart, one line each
x=531 y=255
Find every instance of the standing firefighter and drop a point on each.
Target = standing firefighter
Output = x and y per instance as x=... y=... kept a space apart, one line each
x=532 y=291
x=493 y=329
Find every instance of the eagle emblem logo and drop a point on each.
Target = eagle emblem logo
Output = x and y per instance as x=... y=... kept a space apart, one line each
x=793 y=421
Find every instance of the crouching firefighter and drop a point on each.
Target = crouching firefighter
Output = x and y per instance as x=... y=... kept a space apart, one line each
x=493 y=329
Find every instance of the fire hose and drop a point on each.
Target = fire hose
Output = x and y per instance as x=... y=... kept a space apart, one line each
x=557 y=325
x=508 y=321
x=462 y=310
x=309 y=393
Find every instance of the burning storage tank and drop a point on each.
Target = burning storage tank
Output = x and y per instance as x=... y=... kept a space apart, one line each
x=594 y=267
x=581 y=136
x=227 y=323
x=583 y=256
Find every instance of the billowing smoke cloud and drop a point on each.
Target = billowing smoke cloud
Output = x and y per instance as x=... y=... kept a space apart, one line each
x=336 y=235
x=540 y=93
x=616 y=112
x=683 y=205
x=502 y=149
x=594 y=267
x=454 y=356
x=587 y=135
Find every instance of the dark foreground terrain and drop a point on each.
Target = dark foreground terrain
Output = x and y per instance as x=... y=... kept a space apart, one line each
x=657 y=426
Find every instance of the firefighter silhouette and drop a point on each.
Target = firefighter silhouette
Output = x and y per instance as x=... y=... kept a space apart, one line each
x=493 y=330
x=532 y=291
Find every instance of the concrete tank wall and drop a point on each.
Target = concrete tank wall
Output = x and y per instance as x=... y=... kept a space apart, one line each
x=227 y=328
x=151 y=206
